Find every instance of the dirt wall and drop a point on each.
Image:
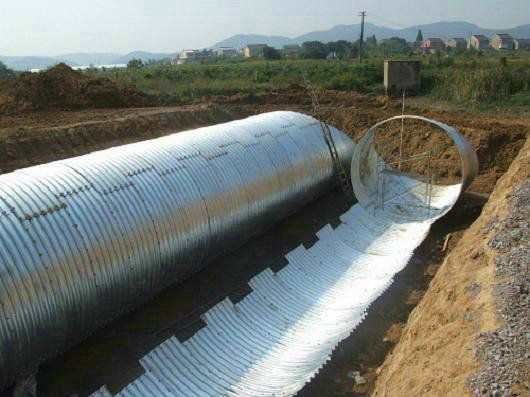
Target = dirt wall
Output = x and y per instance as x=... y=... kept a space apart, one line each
x=26 y=142
x=435 y=355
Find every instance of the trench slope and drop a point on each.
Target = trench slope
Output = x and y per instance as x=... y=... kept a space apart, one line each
x=436 y=352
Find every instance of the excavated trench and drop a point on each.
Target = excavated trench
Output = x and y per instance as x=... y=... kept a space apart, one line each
x=110 y=356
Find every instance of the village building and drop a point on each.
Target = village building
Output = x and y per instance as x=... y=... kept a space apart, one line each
x=522 y=44
x=457 y=43
x=187 y=56
x=432 y=45
x=226 y=52
x=502 y=41
x=254 y=50
x=291 y=50
x=479 y=42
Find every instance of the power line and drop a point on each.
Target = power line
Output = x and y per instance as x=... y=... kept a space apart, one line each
x=362 y=14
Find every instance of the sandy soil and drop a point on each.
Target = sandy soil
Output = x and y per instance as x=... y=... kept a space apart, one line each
x=436 y=352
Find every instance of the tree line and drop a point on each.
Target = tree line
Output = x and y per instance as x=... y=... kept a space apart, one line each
x=350 y=49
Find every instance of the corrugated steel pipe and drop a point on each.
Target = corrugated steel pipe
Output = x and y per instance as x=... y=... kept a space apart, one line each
x=368 y=188
x=85 y=239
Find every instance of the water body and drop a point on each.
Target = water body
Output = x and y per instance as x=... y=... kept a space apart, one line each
x=110 y=66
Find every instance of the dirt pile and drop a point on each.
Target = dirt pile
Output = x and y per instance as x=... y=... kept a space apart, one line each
x=62 y=88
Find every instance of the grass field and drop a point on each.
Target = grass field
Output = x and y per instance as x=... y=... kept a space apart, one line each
x=469 y=78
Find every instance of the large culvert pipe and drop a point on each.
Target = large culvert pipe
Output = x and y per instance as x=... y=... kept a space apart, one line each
x=381 y=188
x=84 y=239
x=279 y=336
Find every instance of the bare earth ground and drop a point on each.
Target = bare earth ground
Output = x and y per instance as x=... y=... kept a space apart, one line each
x=435 y=354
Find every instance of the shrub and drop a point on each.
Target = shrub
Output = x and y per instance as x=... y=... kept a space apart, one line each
x=489 y=83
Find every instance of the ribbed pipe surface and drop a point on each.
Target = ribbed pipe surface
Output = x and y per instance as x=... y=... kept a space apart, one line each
x=84 y=239
x=280 y=335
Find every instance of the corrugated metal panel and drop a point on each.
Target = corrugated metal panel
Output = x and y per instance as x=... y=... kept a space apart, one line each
x=279 y=336
x=83 y=239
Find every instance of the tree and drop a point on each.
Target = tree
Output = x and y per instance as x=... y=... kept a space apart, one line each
x=342 y=48
x=271 y=54
x=5 y=71
x=371 y=42
x=419 y=36
x=135 y=64
x=394 y=45
x=314 y=50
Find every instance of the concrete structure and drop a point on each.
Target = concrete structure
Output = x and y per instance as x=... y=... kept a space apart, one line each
x=291 y=50
x=502 y=41
x=254 y=50
x=457 y=43
x=226 y=52
x=402 y=75
x=522 y=44
x=479 y=42
x=432 y=45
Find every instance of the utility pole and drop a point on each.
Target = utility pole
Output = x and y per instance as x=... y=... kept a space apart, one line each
x=362 y=14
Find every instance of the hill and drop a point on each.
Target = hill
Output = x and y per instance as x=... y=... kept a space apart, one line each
x=444 y=30
x=32 y=62
x=143 y=55
x=85 y=59
x=25 y=63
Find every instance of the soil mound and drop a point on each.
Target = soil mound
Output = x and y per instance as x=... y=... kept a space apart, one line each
x=62 y=88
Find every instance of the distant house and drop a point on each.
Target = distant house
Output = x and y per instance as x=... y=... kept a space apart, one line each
x=502 y=41
x=187 y=56
x=457 y=43
x=291 y=50
x=479 y=42
x=432 y=45
x=522 y=44
x=254 y=50
x=226 y=52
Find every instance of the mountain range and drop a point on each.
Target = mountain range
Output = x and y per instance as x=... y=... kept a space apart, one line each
x=443 y=30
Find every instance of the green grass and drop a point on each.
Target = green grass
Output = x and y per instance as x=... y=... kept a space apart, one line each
x=482 y=82
x=192 y=81
x=472 y=78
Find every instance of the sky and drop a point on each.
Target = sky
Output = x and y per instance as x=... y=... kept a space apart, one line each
x=53 y=27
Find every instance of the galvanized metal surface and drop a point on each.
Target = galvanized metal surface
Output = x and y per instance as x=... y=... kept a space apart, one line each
x=364 y=168
x=279 y=336
x=84 y=239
